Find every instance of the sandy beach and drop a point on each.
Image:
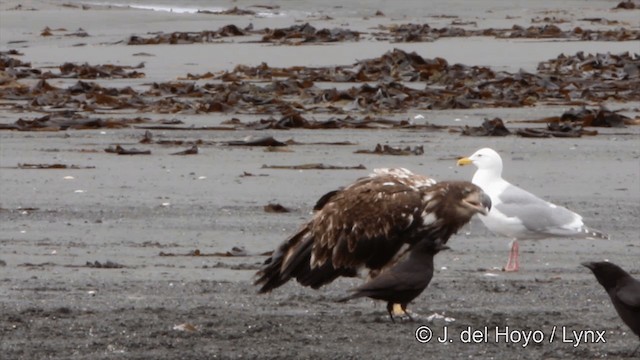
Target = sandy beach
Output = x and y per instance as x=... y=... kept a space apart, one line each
x=151 y=256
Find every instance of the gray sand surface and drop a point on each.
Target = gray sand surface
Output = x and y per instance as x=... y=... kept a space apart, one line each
x=131 y=209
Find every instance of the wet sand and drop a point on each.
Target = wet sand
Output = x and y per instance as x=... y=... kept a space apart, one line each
x=136 y=211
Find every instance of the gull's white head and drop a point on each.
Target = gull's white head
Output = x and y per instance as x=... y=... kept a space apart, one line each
x=484 y=159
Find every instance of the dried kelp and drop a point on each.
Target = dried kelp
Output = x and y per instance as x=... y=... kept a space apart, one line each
x=66 y=121
x=122 y=151
x=493 y=127
x=461 y=86
x=280 y=149
x=420 y=32
x=601 y=117
x=13 y=68
x=496 y=127
x=550 y=20
x=626 y=5
x=148 y=139
x=425 y=33
x=184 y=128
x=595 y=76
x=236 y=251
x=347 y=122
x=316 y=166
x=248 y=174
x=104 y=265
x=275 y=208
x=306 y=33
x=82 y=96
x=292 y=120
x=396 y=65
x=191 y=151
x=584 y=117
x=53 y=166
x=47 y=31
x=86 y=71
x=292 y=35
x=553 y=31
x=13 y=52
x=23 y=70
x=262 y=141
x=390 y=150
x=331 y=143
x=562 y=130
x=382 y=86
x=177 y=38
x=7 y=61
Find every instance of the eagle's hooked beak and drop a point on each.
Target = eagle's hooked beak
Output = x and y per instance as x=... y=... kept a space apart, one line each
x=486 y=203
x=464 y=161
x=479 y=201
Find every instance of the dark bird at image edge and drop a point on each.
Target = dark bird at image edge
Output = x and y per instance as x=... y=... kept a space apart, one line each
x=624 y=291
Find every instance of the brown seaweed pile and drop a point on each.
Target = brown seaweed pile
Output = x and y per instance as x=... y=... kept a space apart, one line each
x=292 y=35
x=600 y=117
x=579 y=77
x=496 y=127
x=13 y=68
x=389 y=84
x=306 y=33
x=18 y=69
x=626 y=5
x=69 y=120
x=177 y=37
x=391 y=150
x=47 y=31
x=425 y=33
x=294 y=121
x=570 y=124
x=86 y=71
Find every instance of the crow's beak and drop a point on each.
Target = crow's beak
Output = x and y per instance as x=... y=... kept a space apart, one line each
x=443 y=247
x=589 y=265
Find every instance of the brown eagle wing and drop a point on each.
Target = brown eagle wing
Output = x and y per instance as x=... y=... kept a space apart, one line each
x=366 y=223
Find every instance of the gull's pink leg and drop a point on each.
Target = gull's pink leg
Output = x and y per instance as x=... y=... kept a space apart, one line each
x=513 y=264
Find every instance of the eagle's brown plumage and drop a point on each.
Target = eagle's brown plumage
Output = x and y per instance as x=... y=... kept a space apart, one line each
x=367 y=223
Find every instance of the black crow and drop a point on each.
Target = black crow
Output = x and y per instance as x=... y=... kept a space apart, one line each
x=623 y=290
x=403 y=281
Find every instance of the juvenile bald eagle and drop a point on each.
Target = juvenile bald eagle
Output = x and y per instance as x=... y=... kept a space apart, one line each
x=367 y=223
